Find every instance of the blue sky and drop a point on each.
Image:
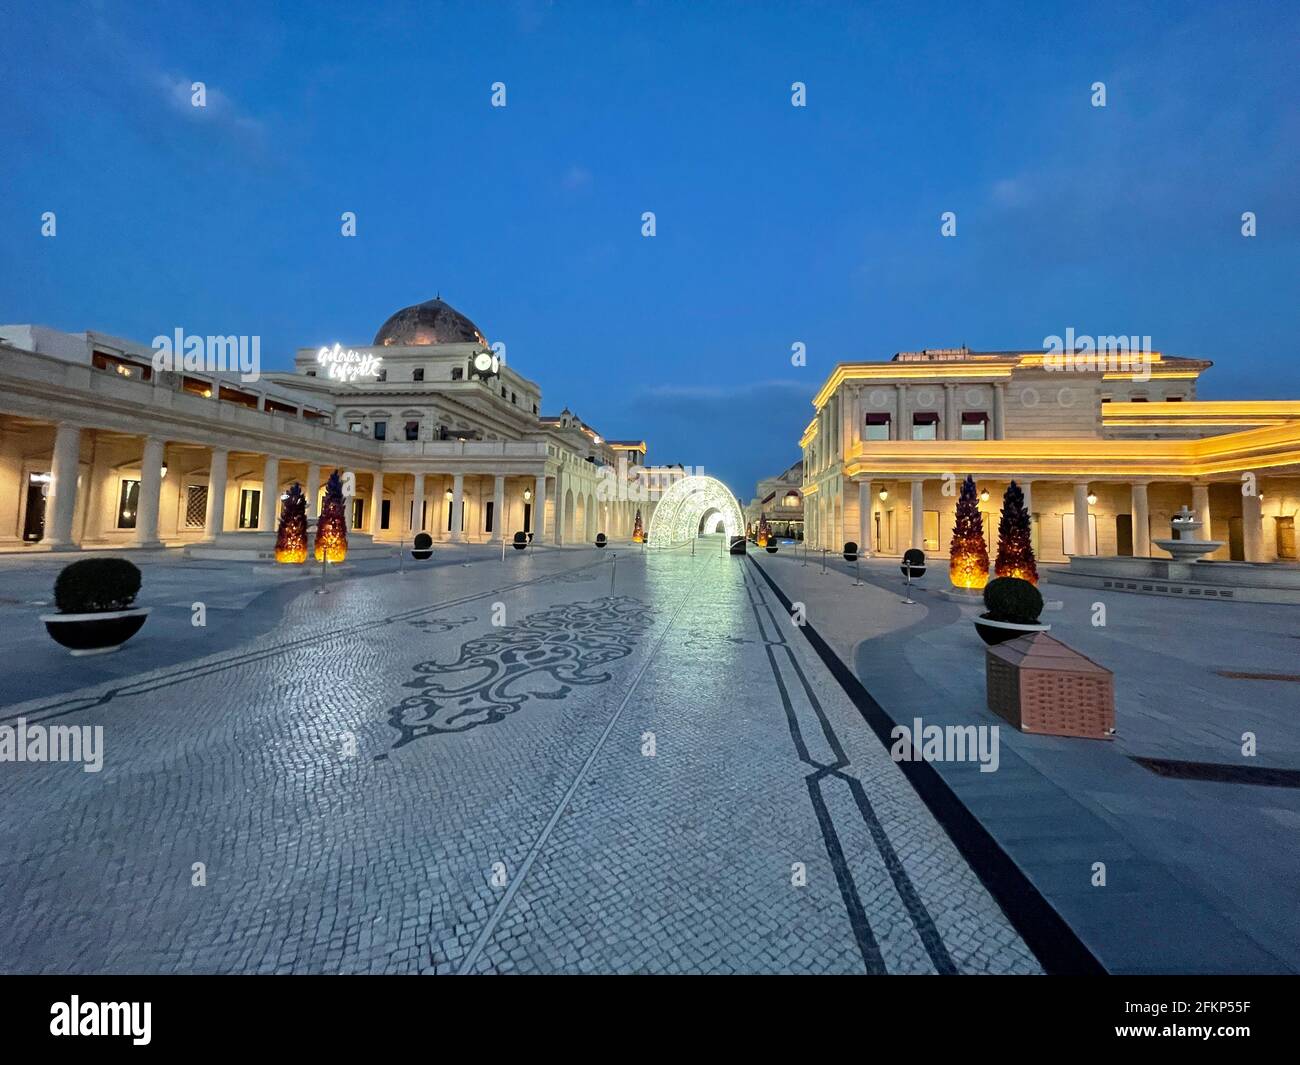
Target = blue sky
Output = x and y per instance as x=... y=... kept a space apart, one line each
x=775 y=224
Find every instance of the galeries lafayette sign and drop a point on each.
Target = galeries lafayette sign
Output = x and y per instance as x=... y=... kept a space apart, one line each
x=348 y=365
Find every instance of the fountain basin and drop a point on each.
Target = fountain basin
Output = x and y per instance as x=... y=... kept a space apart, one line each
x=1188 y=550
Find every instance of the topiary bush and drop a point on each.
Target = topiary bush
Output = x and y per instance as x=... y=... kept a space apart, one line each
x=96 y=586
x=1013 y=599
x=423 y=541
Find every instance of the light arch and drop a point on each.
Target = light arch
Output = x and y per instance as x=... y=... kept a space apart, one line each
x=678 y=513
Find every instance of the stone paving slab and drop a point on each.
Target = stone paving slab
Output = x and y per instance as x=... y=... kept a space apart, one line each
x=1222 y=854
x=498 y=813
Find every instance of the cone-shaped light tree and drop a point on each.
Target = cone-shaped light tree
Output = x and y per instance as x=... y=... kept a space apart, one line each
x=291 y=534
x=764 y=534
x=638 y=533
x=332 y=525
x=1015 y=547
x=968 y=554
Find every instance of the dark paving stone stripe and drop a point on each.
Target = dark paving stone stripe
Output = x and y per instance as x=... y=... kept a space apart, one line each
x=1294 y=677
x=920 y=916
x=71 y=706
x=1053 y=941
x=1220 y=773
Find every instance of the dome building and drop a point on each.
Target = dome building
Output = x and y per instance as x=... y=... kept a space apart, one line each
x=440 y=433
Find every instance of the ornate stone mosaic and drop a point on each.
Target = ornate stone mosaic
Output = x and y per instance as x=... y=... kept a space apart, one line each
x=544 y=656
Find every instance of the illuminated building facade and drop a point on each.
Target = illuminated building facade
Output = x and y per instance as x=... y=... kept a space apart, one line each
x=1106 y=452
x=100 y=448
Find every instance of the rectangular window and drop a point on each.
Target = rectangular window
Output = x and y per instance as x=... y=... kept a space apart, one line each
x=250 y=506
x=196 y=506
x=1173 y=399
x=128 y=502
x=925 y=425
x=876 y=427
x=384 y=511
x=488 y=515
x=382 y=375
x=417 y=374
x=974 y=425
x=381 y=430
x=358 y=513
x=528 y=517
x=457 y=373
x=412 y=430
x=356 y=427
x=1067 y=533
x=930 y=530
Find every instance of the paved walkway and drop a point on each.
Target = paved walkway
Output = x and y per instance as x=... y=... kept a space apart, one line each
x=643 y=769
x=1203 y=874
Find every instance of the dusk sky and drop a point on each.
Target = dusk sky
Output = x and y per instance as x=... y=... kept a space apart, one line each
x=775 y=224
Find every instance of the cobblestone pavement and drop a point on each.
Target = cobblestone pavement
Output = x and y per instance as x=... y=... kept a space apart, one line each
x=643 y=769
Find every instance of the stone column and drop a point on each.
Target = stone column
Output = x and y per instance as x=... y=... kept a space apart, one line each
x=999 y=411
x=214 y=524
x=62 y=503
x=417 y=503
x=1141 y=520
x=146 y=515
x=918 y=514
x=539 y=511
x=457 y=505
x=865 y=546
x=951 y=430
x=899 y=428
x=1027 y=487
x=1252 y=528
x=498 y=507
x=1201 y=504
x=1081 y=537
x=270 y=512
x=376 y=502
x=313 y=490
x=350 y=502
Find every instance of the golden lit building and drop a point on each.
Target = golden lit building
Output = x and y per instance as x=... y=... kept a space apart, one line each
x=1107 y=449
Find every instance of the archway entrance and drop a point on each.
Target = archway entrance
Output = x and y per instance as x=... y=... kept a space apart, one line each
x=689 y=507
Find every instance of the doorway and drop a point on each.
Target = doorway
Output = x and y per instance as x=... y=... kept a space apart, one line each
x=34 y=520
x=1124 y=534
x=1285 y=538
x=1236 y=541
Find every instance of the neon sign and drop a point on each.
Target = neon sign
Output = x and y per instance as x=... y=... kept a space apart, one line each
x=348 y=365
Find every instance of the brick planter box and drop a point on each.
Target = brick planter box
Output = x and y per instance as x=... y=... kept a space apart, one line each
x=1039 y=685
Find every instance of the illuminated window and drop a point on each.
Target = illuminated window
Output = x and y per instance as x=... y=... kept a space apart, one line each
x=250 y=506
x=974 y=425
x=127 y=503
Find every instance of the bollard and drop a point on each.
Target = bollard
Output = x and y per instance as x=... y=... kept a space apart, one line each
x=613 y=572
x=324 y=564
x=857 y=579
x=823 y=560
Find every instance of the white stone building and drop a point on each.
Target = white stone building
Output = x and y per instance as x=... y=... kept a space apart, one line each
x=100 y=448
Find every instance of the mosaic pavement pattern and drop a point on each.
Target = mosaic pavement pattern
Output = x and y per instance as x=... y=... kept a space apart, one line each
x=640 y=771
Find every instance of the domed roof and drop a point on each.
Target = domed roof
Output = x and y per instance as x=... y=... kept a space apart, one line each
x=431 y=322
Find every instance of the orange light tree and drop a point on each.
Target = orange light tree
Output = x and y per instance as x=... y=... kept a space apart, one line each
x=638 y=533
x=291 y=534
x=332 y=525
x=764 y=534
x=968 y=554
x=1015 y=545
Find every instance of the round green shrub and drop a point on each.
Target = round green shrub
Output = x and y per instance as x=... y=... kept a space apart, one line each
x=423 y=541
x=1013 y=599
x=96 y=585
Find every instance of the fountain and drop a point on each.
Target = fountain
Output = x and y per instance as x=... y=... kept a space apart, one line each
x=1185 y=548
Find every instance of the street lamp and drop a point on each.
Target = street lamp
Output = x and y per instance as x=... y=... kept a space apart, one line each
x=528 y=495
x=1092 y=499
x=884 y=494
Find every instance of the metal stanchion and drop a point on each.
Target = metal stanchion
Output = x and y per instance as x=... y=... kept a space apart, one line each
x=503 y=547
x=613 y=571
x=401 y=556
x=857 y=577
x=823 y=560
x=324 y=569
